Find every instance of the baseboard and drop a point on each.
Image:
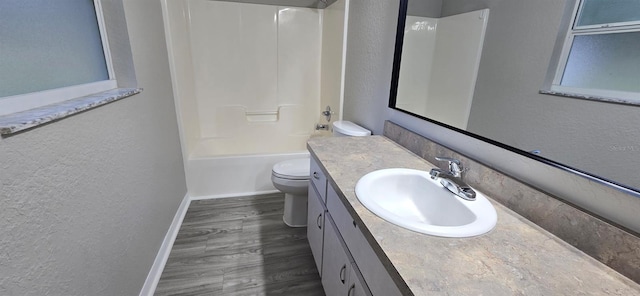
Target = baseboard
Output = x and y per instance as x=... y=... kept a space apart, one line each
x=153 y=277
x=234 y=194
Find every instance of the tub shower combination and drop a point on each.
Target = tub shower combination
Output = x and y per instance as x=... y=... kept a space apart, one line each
x=249 y=82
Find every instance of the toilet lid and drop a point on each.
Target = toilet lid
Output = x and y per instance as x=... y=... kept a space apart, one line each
x=349 y=128
x=294 y=169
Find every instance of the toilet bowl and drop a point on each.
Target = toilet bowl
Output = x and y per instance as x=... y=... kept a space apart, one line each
x=292 y=177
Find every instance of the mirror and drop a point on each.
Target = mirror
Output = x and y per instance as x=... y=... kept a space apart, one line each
x=497 y=98
x=439 y=64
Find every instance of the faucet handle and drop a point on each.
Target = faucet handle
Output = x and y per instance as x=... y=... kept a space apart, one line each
x=449 y=159
x=327 y=113
x=455 y=167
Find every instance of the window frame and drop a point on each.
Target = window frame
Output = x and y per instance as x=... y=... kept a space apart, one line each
x=574 y=30
x=27 y=101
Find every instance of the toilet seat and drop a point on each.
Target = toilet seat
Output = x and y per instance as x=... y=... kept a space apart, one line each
x=294 y=169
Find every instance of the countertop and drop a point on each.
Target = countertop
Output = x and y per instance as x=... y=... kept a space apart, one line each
x=516 y=258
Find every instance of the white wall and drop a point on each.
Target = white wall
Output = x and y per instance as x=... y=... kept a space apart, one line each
x=333 y=48
x=369 y=58
x=87 y=200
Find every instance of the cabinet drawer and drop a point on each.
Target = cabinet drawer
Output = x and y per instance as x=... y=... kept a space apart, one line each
x=341 y=216
x=318 y=179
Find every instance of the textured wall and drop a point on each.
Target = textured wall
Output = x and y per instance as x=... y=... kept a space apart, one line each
x=369 y=60
x=86 y=201
x=368 y=76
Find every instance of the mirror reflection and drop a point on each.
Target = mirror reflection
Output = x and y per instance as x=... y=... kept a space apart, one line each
x=481 y=66
x=439 y=65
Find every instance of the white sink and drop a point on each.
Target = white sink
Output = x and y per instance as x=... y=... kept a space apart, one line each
x=411 y=199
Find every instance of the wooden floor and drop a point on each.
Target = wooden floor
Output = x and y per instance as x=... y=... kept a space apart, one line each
x=239 y=246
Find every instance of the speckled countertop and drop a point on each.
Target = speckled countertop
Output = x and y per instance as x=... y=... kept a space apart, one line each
x=515 y=258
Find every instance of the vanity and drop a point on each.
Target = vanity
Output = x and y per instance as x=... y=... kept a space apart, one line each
x=337 y=243
x=358 y=253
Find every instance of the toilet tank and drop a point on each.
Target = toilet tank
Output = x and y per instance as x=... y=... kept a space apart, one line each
x=344 y=128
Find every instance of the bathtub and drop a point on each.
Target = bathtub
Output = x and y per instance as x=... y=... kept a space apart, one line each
x=220 y=169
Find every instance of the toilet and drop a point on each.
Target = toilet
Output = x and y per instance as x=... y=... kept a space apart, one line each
x=292 y=177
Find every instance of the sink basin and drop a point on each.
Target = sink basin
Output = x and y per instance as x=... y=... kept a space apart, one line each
x=411 y=199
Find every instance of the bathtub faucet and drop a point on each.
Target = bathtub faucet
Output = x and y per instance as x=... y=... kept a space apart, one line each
x=320 y=126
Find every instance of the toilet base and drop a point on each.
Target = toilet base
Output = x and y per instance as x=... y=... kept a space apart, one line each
x=295 y=210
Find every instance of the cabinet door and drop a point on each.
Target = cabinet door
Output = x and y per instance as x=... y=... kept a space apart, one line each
x=357 y=287
x=315 y=226
x=336 y=266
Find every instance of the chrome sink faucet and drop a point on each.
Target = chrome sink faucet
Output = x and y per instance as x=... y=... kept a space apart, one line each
x=452 y=180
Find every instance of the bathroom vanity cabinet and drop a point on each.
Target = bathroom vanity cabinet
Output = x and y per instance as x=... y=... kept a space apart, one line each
x=345 y=260
x=375 y=257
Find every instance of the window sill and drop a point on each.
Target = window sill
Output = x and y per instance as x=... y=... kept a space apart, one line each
x=16 y=122
x=591 y=97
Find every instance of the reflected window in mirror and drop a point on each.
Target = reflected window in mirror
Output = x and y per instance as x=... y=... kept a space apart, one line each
x=599 y=58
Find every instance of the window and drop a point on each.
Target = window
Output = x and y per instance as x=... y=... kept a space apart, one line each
x=600 y=56
x=51 y=51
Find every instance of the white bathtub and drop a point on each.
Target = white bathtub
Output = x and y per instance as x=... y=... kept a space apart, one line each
x=212 y=174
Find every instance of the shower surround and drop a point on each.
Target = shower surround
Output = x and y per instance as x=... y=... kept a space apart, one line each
x=248 y=82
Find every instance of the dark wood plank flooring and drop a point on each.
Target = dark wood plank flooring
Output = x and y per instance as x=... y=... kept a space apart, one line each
x=239 y=246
